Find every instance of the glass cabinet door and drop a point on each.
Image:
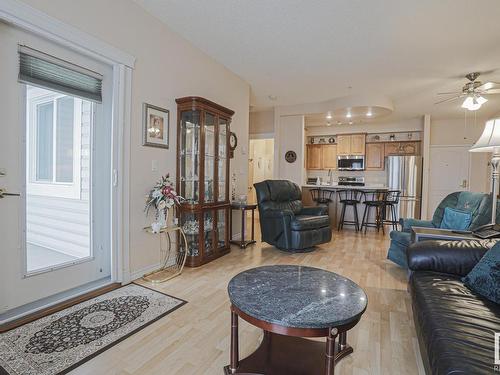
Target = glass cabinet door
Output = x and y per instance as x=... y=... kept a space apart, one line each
x=190 y=224
x=221 y=228
x=222 y=160
x=208 y=226
x=209 y=128
x=189 y=156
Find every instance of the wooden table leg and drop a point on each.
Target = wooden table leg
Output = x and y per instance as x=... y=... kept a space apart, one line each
x=343 y=340
x=243 y=217
x=234 y=357
x=230 y=224
x=330 y=352
x=253 y=230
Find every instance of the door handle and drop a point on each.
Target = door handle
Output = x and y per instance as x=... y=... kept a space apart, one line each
x=3 y=194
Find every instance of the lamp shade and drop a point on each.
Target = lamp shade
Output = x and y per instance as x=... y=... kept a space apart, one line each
x=490 y=139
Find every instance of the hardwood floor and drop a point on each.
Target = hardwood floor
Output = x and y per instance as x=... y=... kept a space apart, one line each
x=195 y=338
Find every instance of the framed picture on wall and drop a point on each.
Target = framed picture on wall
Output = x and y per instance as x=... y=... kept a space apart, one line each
x=155 y=126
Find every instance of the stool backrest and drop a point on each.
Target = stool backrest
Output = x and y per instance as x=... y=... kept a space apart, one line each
x=350 y=195
x=392 y=196
x=375 y=195
x=321 y=195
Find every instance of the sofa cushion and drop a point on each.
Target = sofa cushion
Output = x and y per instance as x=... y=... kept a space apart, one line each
x=469 y=201
x=455 y=326
x=306 y=222
x=484 y=278
x=456 y=219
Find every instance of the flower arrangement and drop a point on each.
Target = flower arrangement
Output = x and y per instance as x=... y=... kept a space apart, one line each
x=162 y=197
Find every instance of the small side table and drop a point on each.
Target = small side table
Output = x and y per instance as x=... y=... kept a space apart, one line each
x=243 y=207
x=422 y=233
x=172 y=262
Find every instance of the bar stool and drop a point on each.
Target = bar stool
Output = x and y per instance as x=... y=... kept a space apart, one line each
x=349 y=198
x=374 y=199
x=390 y=202
x=322 y=196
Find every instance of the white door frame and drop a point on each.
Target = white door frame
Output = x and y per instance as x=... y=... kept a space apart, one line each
x=30 y=19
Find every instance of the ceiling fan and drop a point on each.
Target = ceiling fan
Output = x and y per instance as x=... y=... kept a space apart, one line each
x=473 y=92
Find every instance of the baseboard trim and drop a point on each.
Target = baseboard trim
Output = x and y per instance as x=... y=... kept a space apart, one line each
x=57 y=307
x=142 y=271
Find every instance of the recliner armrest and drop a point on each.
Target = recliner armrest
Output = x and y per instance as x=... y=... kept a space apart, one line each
x=407 y=224
x=276 y=213
x=452 y=257
x=314 y=210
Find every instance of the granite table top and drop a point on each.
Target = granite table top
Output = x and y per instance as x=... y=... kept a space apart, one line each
x=297 y=296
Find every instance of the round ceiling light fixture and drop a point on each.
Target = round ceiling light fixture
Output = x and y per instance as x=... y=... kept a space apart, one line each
x=329 y=116
x=349 y=115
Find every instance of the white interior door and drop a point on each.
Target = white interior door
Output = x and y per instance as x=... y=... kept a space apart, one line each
x=449 y=172
x=55 y=151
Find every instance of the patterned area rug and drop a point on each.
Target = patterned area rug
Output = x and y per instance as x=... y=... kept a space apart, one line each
x=59 y=342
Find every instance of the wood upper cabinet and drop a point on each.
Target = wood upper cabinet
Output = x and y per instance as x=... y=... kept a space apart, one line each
x=343 y=144
x=313 y=157
x=329 y=156
x=353 y=144
x=358 y=144
x=321 y=157
x=374 y=157
x=402 y=148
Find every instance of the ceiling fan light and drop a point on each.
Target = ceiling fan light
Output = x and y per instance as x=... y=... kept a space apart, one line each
x=467 y=102
x=471 y=103
x=481 y=100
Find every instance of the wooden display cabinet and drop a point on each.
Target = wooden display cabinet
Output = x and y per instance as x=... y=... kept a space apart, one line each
x=202 y=177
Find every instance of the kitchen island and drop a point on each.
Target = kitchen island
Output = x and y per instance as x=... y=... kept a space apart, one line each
x=335 y=206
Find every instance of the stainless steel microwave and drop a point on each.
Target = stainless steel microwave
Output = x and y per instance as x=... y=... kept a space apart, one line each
x=350 y=163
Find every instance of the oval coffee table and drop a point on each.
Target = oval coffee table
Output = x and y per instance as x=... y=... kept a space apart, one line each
x=290 y=303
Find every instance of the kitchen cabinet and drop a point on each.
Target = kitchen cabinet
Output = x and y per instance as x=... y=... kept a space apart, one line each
x=402 y=148
x=353 y=144
x=343 y=144
x=374 y=157
x=313 y=157
x=329 y=156
x=321 y=157
x=358 y=144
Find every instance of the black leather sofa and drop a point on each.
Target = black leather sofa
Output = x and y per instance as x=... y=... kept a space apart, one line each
x=455 y=326
x=284 y=222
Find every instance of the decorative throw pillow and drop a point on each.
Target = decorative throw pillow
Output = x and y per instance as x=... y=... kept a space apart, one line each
x=456 y=219
x=484 y=278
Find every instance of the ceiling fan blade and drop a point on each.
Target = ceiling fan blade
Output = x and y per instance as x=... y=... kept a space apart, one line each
x=449 y=93
x=491 y=91
x=448 y=99
x=488 y=86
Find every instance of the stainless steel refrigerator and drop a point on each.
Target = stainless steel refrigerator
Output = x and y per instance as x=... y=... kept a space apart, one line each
x=404 y=173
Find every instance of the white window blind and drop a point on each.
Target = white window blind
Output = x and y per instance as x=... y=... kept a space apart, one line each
x=46 y=71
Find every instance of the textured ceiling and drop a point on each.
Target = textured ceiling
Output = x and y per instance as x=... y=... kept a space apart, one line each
x=309 y=51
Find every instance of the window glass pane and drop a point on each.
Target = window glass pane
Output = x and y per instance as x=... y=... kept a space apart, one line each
x=44 y=141
x=64 y=139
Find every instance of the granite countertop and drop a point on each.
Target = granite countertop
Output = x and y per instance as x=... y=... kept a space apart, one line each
x=337 y=186
x=297 y=296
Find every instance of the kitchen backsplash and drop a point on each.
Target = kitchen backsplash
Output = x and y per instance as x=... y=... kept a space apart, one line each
x=371 y=177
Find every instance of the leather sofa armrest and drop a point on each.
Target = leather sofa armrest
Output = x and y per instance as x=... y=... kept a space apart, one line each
x=452 y=257
x=277 y=214
x=407 y=224
x=314 y=210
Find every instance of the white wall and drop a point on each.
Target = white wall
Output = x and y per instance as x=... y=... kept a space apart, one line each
x=262 y=122
x=167 y=67
x=456 y=132
x=289 y=136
